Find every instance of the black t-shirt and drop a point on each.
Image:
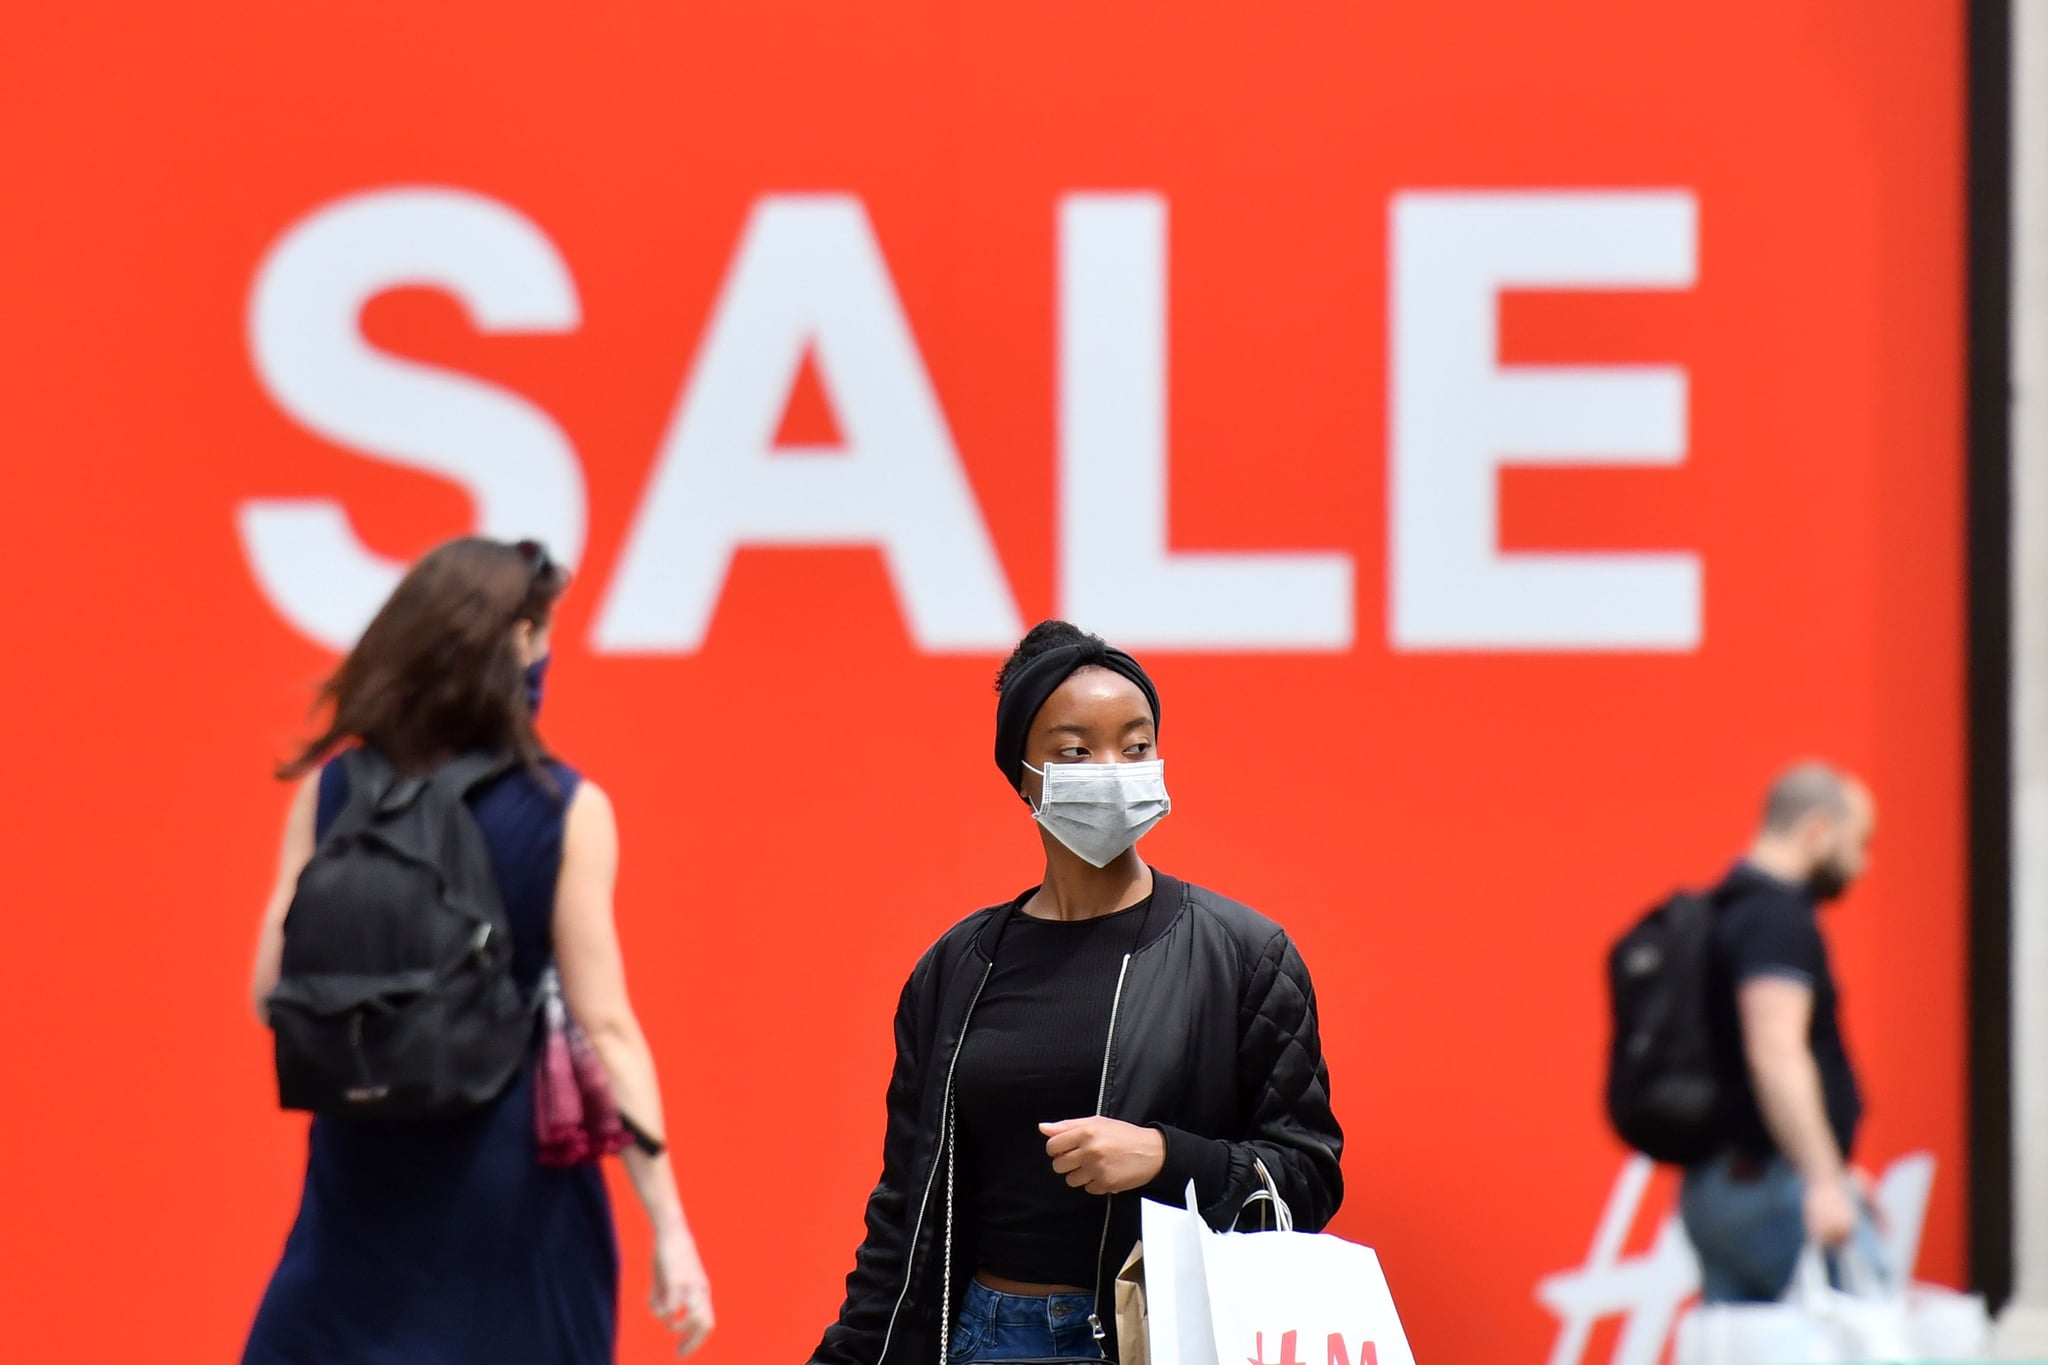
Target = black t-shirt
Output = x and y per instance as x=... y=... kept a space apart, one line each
x=1033 y=1054
x=1767 y=927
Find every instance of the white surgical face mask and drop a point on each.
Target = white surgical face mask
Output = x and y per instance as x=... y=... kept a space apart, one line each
x=1100 y=809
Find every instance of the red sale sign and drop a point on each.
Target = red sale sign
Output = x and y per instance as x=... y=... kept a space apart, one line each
x=1508 y=434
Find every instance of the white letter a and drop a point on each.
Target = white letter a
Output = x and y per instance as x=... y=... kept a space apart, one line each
x=809 y=275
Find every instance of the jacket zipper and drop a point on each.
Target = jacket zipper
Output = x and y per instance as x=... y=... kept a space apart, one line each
x=917 y=1228
x=1109 y=1200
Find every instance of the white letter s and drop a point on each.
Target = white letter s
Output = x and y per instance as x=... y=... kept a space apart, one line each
x=310 y=354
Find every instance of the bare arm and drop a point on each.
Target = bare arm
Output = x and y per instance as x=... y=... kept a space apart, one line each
x=1777 y=1019
x=594 y=985
x=291 y=861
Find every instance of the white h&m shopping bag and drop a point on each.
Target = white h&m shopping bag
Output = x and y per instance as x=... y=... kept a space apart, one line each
x=1176 y=1295
x=1299 y=1298
x=1274 y=1298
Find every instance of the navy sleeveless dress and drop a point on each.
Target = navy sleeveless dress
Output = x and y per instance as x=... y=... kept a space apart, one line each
x=449 y=1243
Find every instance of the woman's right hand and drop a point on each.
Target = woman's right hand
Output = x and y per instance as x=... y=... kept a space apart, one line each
x=682 y=1291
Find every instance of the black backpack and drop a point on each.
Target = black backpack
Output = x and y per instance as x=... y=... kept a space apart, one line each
x=395 y=997
x=1664 y=1094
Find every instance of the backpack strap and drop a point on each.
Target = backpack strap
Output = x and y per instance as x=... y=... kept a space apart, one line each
x=1720 y=893
x=369 y=775
x=465 y=774
x=376 y=788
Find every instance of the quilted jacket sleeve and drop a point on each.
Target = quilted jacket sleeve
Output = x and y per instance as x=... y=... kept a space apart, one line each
x=857 y=1338
x=1283 y=1091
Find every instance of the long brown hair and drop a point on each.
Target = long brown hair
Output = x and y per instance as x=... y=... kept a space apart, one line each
x=437 y=674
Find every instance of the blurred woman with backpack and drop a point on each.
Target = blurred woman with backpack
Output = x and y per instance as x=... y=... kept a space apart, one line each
x=444 y=1237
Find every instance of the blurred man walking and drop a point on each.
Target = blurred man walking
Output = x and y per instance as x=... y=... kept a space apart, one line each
x=1792 y=1103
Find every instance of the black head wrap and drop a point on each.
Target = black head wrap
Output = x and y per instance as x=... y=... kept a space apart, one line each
x=1032 y=685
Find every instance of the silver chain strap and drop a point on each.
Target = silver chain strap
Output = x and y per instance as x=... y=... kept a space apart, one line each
x=946 y=1294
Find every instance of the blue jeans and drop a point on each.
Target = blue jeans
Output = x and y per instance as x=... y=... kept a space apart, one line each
x=1749 y=1232
x=992 y=1326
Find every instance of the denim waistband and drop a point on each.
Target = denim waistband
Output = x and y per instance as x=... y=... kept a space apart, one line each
x=1025 y=1310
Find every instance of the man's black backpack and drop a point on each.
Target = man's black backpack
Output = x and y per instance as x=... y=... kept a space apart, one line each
x=395 y=997
x=1664 y=1096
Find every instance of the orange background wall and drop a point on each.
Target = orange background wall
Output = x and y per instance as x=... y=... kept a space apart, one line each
x=807 y=800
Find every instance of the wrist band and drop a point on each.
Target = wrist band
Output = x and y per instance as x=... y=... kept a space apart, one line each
x=651 y=1146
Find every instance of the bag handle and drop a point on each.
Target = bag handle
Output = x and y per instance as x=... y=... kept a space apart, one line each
x=1269 y=1193
x=1859 y=1268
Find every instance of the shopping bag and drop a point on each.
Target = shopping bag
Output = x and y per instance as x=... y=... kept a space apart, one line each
x=1176 y=1324
x=1815 y=1324
x=1942 y=1324
x=1133 y=1341
x=1267 y=1298
x=1754 y=1334
x=1298 y=1298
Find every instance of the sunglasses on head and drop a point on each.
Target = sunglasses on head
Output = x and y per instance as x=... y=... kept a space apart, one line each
x=536 y=556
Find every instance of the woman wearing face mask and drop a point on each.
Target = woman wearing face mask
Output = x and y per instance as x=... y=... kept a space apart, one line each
x=1109 y=1034
x=446 y=1240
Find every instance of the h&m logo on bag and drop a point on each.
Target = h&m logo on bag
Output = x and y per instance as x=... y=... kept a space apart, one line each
x=1339 y=1354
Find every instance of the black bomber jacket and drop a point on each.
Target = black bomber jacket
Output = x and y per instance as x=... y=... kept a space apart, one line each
x=1212 y=1040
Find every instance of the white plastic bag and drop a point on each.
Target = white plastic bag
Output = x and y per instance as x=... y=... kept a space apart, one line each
x=1754 y=1334
x=1936 y=1325
x=1944 y=1325
x=1815 y=1324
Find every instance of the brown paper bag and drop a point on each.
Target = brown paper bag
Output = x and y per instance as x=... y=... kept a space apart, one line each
x=1133 y=1343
